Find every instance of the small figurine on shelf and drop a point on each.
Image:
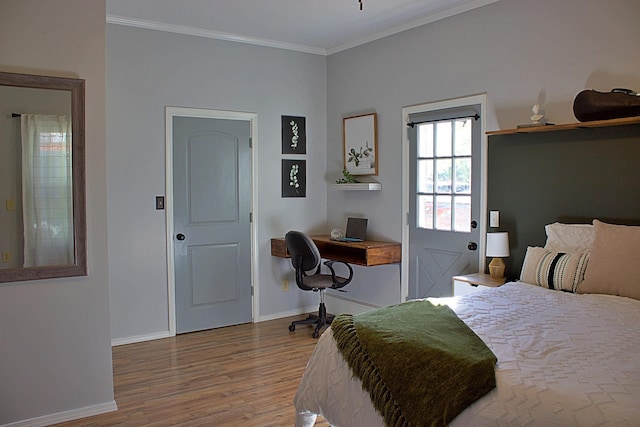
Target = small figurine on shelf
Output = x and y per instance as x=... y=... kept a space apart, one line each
x=538 y=116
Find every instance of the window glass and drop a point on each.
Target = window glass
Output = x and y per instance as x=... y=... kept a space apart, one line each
x=443 y=212
x=425 y=211
x=425 y=140
x=425 y=172
x=444 y=175
x=443 y=139
x=463 y=137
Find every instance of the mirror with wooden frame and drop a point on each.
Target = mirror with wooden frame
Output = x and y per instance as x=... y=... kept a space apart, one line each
x=42 y=177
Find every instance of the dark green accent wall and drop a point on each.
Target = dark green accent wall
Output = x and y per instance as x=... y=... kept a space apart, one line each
x=569 y=176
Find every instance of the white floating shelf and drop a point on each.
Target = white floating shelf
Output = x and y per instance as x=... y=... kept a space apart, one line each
x=365 y=186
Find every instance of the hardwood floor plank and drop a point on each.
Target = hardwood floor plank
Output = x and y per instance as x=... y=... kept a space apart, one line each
x=244 y=375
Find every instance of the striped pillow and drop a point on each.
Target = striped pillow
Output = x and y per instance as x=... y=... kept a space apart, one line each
x=554 y=270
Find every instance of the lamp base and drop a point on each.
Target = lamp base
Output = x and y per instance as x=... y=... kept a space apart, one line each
x=496 y=268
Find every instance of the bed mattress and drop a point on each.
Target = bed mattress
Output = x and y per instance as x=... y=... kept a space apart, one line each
x=563 y=359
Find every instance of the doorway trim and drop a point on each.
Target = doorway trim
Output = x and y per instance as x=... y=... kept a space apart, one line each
x=252 y=118
x=480 y=99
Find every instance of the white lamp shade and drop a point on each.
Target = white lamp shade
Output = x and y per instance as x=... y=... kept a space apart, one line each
x=498 y=244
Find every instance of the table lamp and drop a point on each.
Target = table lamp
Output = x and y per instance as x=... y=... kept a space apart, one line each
x=497 y=247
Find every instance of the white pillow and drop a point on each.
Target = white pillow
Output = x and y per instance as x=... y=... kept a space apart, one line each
x=553 y=270
x=569 y=238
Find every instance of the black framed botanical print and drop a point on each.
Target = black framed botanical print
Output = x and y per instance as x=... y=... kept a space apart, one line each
x=294 y=178
x=294 y=135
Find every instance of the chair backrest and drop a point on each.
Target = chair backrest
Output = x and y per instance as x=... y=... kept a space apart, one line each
x=303 y=251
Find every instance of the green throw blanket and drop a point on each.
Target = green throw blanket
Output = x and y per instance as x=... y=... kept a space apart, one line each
x=419 y=362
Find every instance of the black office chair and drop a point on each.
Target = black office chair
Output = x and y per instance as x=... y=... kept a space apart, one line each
x=305 y=258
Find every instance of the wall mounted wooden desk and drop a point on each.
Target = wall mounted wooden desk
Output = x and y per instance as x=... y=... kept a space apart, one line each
x=367 y=253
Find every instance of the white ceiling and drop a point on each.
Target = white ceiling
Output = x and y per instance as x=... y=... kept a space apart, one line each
x=315 y=26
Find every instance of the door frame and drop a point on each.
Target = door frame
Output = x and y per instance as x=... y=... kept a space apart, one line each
x=480 y=99
x=252 y=118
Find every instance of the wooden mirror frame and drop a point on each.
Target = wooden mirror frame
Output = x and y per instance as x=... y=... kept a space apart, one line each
x=79 y=267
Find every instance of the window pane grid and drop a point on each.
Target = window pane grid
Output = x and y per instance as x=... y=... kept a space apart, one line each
x=444 y=175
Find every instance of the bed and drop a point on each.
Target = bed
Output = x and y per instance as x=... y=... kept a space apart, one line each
x=566 y=337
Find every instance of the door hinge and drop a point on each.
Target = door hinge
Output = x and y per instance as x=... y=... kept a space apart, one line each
x=250 y=142
x=250 y=217
x=251 y=290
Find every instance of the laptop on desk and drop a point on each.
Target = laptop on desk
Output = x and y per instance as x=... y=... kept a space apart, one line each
x=356 y=230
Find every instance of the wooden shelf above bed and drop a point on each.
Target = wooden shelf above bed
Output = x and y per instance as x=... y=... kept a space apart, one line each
x=569 y=126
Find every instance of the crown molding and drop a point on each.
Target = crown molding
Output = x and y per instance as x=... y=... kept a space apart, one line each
x=200 y=32
x=410 y=25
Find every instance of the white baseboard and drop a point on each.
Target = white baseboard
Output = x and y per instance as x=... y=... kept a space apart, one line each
x=289 y=313
x=338 y=304
x=165 y=334
x=139 y=338
x=61 y=417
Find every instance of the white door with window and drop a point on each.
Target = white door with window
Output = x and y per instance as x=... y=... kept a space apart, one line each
x=444 y=219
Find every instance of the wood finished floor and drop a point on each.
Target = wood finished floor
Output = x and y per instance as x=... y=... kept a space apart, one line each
x=244 y=375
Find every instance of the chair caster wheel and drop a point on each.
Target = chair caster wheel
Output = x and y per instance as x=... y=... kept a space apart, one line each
x=292 y=328
x=315 y=334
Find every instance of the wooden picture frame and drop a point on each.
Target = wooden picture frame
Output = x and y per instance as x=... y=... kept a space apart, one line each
x=360 y=141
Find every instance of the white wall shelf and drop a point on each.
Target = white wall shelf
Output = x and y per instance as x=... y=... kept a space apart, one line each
x=364 y=186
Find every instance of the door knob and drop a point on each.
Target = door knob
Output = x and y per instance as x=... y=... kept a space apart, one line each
x=474 y=224
x=180 y=236
x=472 y=246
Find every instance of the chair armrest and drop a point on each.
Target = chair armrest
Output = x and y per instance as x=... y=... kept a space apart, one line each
x=338 y=281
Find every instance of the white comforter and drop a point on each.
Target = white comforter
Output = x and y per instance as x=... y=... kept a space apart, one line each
x=563 y=359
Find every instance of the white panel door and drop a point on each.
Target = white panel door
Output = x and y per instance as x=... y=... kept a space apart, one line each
x=212 y=230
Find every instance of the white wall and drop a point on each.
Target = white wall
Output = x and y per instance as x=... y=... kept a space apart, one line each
x=55 y=355
x=519 y=52
x=148 y=70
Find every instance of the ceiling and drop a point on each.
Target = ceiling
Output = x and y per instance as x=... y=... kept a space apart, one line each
x=315 y=26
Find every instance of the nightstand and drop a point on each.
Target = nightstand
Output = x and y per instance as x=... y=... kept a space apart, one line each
x=470 y=283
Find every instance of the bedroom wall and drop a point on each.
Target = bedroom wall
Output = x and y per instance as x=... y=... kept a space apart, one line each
x=567 y=176
x=519 y=52
x=148 y=70
x=55 y=354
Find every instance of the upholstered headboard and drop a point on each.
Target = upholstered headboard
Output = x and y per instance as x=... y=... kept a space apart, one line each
x=569 y=176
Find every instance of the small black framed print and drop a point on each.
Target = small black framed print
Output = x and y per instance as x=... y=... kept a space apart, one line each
x=294 y=178
x=294 y=135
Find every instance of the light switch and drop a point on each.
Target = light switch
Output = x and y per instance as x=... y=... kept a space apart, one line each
x=10 y=204
x=494 y=219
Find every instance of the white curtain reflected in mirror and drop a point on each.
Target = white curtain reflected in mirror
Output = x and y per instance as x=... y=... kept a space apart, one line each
x=47 y=190
x=43 y=226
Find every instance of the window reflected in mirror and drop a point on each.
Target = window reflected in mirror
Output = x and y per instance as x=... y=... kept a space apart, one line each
x=42 y=175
